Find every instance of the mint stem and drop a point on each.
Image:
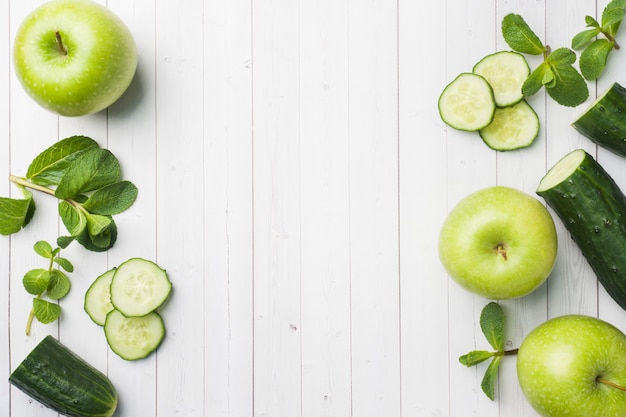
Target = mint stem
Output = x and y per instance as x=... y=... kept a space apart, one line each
x=31 y=318
x=25 y=183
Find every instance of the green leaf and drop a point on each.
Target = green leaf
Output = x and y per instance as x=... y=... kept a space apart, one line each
x=540 y=76
x=50 y=165
x=594 y=58
x=64 y=263
x=562 y=56
x=492 y=325
x=475 y=357
x=490 y=378
x=73 y=219
x=591 y=22
x=97 y=224
x=45 y=311
x=612 y=18
x=92 y=170
x=101 y=242
x=520 y=37
x=571 y=88
x=43 y=249
x=112 y=199
x=581 y=39
x=36 y=281
x=15 y=213
x=65 y=241
x=59 y=285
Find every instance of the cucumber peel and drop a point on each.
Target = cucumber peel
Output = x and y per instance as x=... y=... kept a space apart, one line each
x=98 y=298
x=132 y=326
x=467 y=103
x=506 y=72
x=512 y=128
x=139 y=287
x=604 y=121
x=592 y=208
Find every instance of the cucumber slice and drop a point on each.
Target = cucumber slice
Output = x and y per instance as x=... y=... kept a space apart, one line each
x=139 y=287
x=98 y=298
x=506 y=72
x=467 y=103
x=512 y=128
x=133 y=338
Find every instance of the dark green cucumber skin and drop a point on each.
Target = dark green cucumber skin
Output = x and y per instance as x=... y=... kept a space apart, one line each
x=604 y=122
x=64 y=382
x=593 y=209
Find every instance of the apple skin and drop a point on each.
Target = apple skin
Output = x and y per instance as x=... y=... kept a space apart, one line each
x=558 y=364
x=492 y=218
x=99 y=66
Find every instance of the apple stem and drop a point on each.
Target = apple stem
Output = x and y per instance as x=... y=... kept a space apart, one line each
x=507 y=352
x=60 y=43
x=610 y=383
x=502 y=251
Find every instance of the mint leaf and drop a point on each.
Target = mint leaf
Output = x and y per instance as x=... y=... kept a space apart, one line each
x=591 y=22
x=43 y=249
x=488 y=383
x=64 y=263
x=562 y=56
x=520 y=37
x=96 y=224
x=112 y=199
x=594 y=58
x=45 y=311
x=492 y=325
x=59 y=285
x=571 y=89
x=101 y=242
x=475 y=357
x=15 y=214
x=36 y=281
x=612 y=17
x=50 y=165
x=582 y=38
x=542 y=75
x=92 y=170
x=65 y=241
x=73 y=219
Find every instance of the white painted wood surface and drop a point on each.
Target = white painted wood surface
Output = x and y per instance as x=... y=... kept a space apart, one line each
x=293 y=175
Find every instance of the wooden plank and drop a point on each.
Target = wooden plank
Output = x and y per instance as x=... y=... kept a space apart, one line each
x=180 y=247
x=228 y=227
x=325 y=209
x=277 y=209
x=423 y=207
x=374 y=223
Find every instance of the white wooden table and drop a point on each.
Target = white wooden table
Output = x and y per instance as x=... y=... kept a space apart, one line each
x=293 y=175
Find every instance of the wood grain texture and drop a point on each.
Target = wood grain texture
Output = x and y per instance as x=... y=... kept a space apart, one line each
x=293 y=174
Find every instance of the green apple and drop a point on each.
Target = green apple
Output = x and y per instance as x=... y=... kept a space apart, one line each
x=74 y=57
x=499 y=243
x=574 y=366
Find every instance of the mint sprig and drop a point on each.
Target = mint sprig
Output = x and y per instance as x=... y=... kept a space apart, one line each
x=50 y=282
x=556 y=73
x=595 y=51
x=87 y=181
x=492 y=326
